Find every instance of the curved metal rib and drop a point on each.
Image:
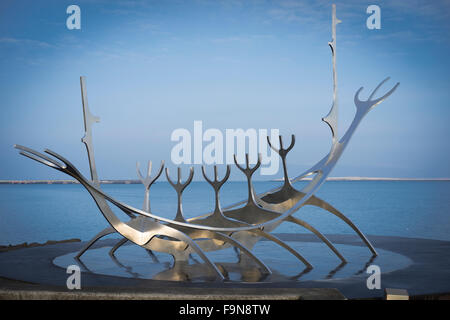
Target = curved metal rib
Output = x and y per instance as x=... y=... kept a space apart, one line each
x=318 y=234
x=100 y=235
x=322 y=204
x=237 y=244
x=117 y=246
x=284 y=245
x=128 y=230
x=122 y=242
x=183 y=237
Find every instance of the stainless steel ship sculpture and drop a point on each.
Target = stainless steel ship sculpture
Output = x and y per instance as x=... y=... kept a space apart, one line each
x=240 y=225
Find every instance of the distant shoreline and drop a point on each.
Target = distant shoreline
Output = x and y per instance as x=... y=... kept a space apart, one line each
x=375 y=179
x=274 y=180
x=66 y=182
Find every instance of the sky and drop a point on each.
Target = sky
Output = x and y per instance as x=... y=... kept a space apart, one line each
x=156 y=66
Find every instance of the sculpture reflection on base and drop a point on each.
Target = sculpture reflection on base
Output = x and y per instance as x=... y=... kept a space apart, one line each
x=240 y=225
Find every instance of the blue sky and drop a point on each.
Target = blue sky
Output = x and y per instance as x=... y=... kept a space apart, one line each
x=155 y=66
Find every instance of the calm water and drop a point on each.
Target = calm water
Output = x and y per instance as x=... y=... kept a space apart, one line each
x=37 y=213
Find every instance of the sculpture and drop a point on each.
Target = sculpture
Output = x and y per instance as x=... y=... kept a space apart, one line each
x=235 y=225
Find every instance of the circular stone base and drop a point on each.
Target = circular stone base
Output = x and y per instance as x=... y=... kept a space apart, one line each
x=418 y=265
x=132 y=261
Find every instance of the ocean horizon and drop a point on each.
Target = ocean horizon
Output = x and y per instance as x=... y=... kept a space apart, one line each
x=135 y=181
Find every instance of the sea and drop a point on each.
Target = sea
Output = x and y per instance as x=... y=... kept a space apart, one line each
x=41 y=212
